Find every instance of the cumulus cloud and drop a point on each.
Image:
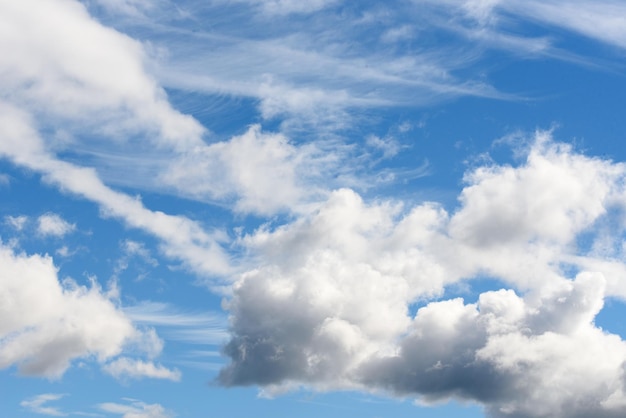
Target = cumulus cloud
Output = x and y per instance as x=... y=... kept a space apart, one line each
x=45 y=324
x=260 y=171
x=51 y=224
x=136 y=369
x=37 y=404
x=329 y=303
x=522 y=358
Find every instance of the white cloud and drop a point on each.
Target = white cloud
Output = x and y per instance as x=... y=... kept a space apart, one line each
x=388 y=145
x=51 y=224
x=319 y=73
x=601 y=20
x=108 y=108
x=61 y=75
x=134 y=248
x=519 y=356
x=182 y=238
x=16 y=222
x=259 y=171
x=46 y=324
x=327 y=305
x=37 y=404
x=124 y=367
x=136 y=409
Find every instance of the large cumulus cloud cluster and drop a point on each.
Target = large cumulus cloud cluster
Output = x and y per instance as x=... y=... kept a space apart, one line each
x=332 y=302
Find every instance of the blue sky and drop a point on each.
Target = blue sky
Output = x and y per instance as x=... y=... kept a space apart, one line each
x=279 y=208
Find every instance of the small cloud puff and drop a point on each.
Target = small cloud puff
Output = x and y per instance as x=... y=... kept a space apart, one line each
x=51 y=224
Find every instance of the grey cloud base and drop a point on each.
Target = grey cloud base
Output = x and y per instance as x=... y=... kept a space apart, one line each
x=329 y=308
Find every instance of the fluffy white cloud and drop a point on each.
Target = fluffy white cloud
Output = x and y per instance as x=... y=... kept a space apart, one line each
x=45 y=324
x=519 y=356
x=328 y=304
x=259 y=171
x=51 y=224
x=60 y=75
x=136 y=369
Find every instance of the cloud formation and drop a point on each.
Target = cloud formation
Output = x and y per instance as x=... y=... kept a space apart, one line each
x=45 y=323
x=37 y=404
x=344 y=295
x=124 y=367
x=51 y=224
x=329 y=305
x=135 y=409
